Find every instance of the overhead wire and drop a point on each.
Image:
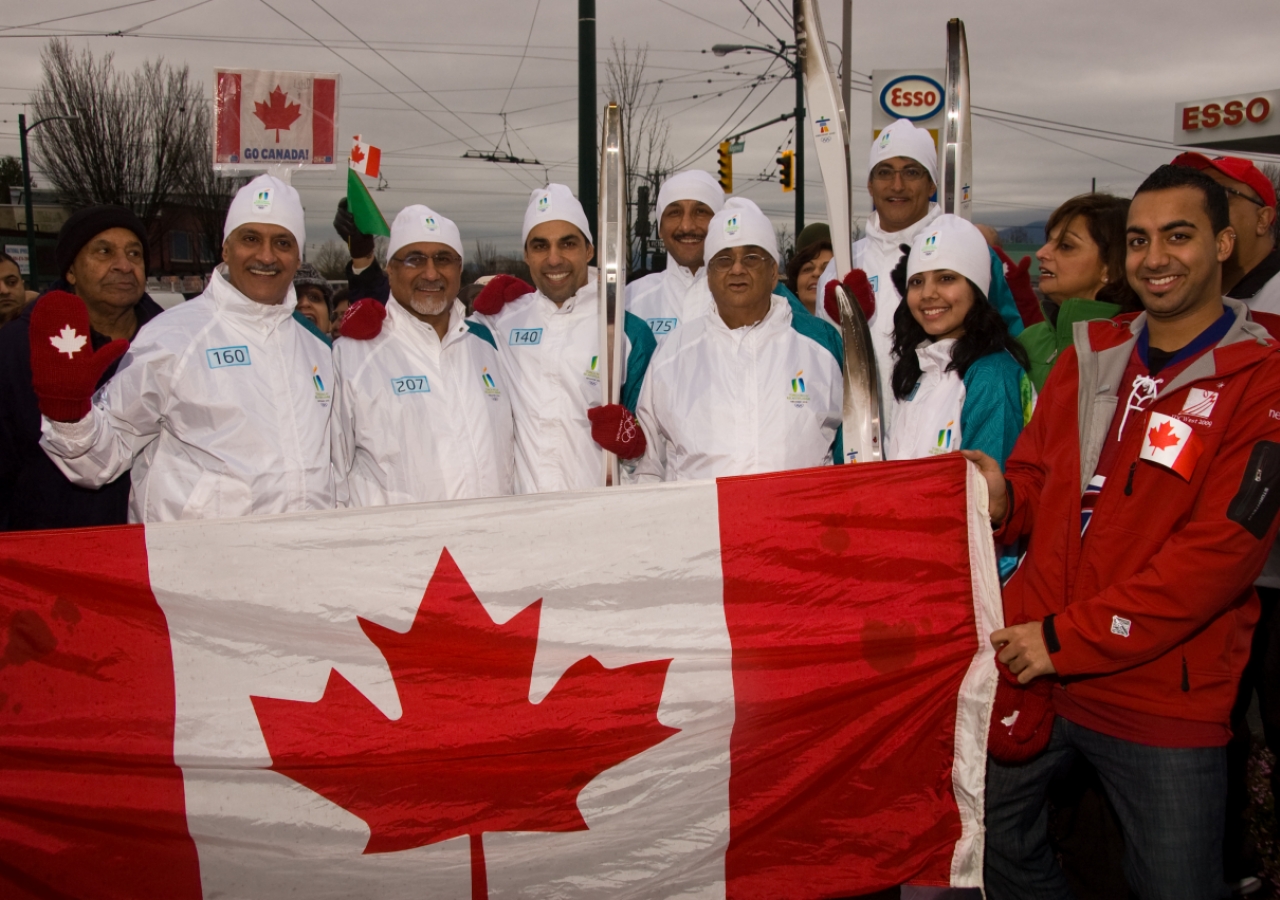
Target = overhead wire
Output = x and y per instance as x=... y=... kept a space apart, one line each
x=92 y=12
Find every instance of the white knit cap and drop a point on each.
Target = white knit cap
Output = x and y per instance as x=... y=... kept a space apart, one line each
x=421 y=224
x=267 y=200
x=691 y=184
x=951 y=242
x=903 y=138
x=554 y=203
x=741 y=224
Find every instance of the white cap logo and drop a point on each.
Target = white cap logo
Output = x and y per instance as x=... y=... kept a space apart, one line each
x=429 y=223
x=544 y=203
x=731 y=225
x=884 y=138
x=930 y=245
x=262 y=200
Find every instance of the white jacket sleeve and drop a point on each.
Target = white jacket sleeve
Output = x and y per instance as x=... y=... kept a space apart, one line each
x=342 y=426
x=124 y=418
x=652 y=466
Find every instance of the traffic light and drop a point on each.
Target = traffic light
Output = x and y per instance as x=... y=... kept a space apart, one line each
x=726 y=167
x=786 y=170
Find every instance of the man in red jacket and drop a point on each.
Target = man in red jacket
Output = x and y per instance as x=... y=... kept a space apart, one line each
x=1147 y=486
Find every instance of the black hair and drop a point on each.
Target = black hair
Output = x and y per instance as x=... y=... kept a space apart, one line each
x=6 y=258
x=801 y=258
x=985 y=332
x=1215 y=195
x=1105 y=218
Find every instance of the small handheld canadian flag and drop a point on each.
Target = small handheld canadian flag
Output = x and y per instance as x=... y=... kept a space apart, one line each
x=365 y=158
x=1173 y=444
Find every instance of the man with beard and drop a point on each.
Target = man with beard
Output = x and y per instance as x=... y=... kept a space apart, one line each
x=550 y=356
x=666 y=300
x=220 y=407
x=420 y=410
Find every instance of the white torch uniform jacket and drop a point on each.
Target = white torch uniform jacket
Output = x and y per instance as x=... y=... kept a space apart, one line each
x=220 y=407
x=766 y=398
x=417 y=418
x=666 y=300
x=551 y=362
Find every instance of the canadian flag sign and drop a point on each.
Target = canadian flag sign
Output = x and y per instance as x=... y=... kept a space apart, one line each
x=763 y=687
x=263 y=119
x=1172 y=444
x=365 y=158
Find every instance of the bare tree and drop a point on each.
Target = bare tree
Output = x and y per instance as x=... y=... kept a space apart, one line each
x=331 y=259
x=128 y=139
x=205 y=193
x=645 y=130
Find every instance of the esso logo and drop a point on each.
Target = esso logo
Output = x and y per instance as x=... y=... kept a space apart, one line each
x=1233 y=112
x=912 y=97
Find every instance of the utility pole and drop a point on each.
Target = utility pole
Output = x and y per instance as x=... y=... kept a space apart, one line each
x=26 y=197
x=588 y=186
x=801 y=124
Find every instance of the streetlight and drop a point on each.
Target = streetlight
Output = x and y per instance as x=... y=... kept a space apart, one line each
x=23 y=131
x=798 y=73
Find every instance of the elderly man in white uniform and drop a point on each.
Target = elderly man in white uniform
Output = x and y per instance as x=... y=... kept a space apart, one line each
x=221 y=405
x=420 y=411
x=549 y=353
x=753 y=387
x=666 y=300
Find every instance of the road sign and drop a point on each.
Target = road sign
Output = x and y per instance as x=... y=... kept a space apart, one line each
x=19 y=254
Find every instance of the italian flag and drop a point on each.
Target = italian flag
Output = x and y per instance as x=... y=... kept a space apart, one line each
x=765 y=687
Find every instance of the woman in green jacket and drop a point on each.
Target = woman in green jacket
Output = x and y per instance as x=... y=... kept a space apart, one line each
x=1081 y=275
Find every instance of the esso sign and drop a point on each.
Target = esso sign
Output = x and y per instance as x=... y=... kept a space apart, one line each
x=1233 y=112
x=913 y=97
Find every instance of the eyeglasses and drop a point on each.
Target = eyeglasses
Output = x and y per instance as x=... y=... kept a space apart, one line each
x=888 y=173
x=1243 y=195
x=750 y=261
x=419 y=260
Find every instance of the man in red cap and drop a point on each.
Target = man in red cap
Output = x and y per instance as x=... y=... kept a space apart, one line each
x=1250 y=275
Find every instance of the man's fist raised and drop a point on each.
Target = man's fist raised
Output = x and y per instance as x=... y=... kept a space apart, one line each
x=359 y=243
x=859 y=287
x=1018 y=275
x=616 y=430
x=500 y=291
x=363 y=321
x=65 y=369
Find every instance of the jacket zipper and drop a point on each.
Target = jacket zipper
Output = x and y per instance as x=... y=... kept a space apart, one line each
x=1128 y=485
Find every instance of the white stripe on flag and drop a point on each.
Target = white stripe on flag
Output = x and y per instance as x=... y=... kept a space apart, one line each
x=267 y=607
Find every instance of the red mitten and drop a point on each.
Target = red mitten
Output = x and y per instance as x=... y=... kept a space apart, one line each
x=616 y=430
x=65 y=369
x=499 y=292
x=1021 y=719
x=858 y=285
x=363 y=321
x=1024 y=295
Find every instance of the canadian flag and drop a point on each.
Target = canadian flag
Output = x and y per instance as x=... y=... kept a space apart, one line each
x=365 y=158
x=764 y=687
x=1172 y=444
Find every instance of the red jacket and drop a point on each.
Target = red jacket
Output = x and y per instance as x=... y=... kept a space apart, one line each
x=1176 y=559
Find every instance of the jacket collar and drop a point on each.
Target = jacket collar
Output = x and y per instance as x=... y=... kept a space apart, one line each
x=1257 y=277
x=889 y=241
x=777 y=318
x=935 y=356
x=400 y=320
x=682 y=275
x=228 y=300
x=585 y=295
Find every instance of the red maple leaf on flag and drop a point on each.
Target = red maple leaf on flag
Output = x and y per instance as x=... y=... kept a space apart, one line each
x=356 y=153
x=279 y=113
x=1163 y=437
x=469 y=753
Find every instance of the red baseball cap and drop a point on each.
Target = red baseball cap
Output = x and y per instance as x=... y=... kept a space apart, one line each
x=1235 y=168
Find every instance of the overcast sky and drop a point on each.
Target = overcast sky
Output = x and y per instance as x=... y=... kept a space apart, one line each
x=1119 y=66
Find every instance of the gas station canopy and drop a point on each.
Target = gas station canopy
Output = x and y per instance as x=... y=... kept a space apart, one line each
x=1243 y=123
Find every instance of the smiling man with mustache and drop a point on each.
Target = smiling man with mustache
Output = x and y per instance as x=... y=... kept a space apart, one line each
x=421 y=410
x=666 y=300
x=220 y=407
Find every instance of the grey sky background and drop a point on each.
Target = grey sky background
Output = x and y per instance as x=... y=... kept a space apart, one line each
x=449 y=70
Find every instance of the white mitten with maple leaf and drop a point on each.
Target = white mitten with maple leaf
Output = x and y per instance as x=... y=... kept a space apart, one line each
x=65 y=369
